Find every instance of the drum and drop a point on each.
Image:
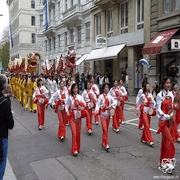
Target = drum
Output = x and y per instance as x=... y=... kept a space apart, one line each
x=118 y=103
x=62 y=107
x=78 y=114
x=111 y=112
x=91 y=105
x=125 y=98
x=35 y=100
x=152 y=112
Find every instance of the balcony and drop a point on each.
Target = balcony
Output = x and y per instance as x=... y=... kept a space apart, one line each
x=74 y=15
x=102 y=2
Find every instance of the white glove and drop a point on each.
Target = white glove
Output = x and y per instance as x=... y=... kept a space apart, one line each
x=167 y=116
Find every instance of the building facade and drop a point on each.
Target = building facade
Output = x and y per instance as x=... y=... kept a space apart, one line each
x=165 y=25
x=125 y=25
x=69 y=27
x=23 y=24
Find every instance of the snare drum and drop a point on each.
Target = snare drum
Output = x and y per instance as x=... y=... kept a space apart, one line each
x=77 y=114
x=152 y=112
x=61 y=107
x=118 y=103
x=111 y=112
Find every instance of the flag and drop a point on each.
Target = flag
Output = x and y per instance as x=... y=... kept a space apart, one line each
x=47 y=13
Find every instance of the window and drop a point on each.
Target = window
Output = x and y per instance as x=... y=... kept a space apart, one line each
x=87 y=32
x=59 y=41
x=98 y=24
x=171 y=5
x=33 y=38
x=33 y=4
x=46 y=45
x=109 y=23
x=72 y=35
x=41 y=21
x=124 y=17
x=53 y=13
x=54 y=43
x=32 y=20
x=66 y=5
x=140 y=14
x=49 y=44
x=59 y=9
x=65 y=38
x=72 y=3
x=79 y=34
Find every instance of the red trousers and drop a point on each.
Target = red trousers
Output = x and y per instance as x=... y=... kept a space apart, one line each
x=174 y=130
x=140 y=125
x=105 y=125
x=146 y=135
x=62 y=123
x=121 y=111
x=96 y=118
x=116 y=122
x=76 y=134
x=41 y=112
x=89 y=119
x=167 y=144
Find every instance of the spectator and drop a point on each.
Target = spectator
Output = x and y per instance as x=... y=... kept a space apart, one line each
x=82 y=81
x=145 y=79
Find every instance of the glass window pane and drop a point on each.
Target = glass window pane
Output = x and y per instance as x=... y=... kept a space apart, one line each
x=166 y=6
x=175 y=4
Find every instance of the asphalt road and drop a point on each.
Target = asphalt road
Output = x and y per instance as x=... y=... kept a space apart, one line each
x=39 y=155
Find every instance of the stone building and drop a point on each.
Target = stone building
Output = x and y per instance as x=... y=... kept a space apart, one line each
x=69 y=27
x=162 y=50
x=125 y=25
x=23 y=16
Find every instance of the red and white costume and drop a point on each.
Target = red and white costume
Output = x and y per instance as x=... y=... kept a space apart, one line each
x=114 y=92
x=75 y=103
x=104 y=103
x=164 y=101
x=140 y=125
x=60 y=97
x=145 y=102
x=90 y=99
x=123 y=97
x=68 y=89
x=51 y=86
x=41 y=95
x=174 y=126
x=95 y=89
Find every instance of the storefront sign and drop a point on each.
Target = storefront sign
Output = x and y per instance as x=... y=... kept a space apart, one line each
x=175 y=43
x=101 y=42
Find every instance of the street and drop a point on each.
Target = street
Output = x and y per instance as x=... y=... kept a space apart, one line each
x=39 y=155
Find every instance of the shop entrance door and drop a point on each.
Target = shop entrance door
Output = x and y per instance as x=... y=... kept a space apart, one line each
x=109 y=69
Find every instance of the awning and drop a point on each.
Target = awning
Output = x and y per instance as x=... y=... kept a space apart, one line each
x=79 y=61
x=155 y=45
x=105 y=53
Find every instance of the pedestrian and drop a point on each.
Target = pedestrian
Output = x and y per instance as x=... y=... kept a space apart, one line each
x=60 y=97
x=76 y=103
x=104 y=105
x=114 y=92
x=123 y=97
x=95 y=89
x=144 y=79
x=101 y=82
x=82 y=81
x=6 y=123
x=90 y=98
x=147 y=103
x=164 y=101
x=174 y=126
x=40 y=97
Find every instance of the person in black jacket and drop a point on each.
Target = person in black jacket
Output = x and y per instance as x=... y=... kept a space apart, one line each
x=6 y=123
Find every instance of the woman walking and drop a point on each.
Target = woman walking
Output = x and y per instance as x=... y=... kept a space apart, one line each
x=40 y=97
x=104 y=105
x=147 y=103
x=76 y=104
x=164 y=101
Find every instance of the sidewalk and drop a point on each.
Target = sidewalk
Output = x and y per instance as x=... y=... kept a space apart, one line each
x=9 y=174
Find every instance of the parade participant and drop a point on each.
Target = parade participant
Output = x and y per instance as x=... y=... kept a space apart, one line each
x=164 y=101
x=174 y=126
x=52 y=86
x=25 y=92
x=104 y=105
x=90 y=99
x=147 y=104
x=76 y=103
x=114 y=92
x=6 y=123
x=95 y=89
x=31 y=86
x=40 y=97
x=140 y=92
x=123 y=97
x=68 y=86
x=60 y=97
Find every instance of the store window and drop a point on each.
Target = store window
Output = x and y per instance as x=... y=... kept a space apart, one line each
x=79 y=34
x=109 y=22
x=98 y=24
x=88 y=32
x=139 y=14
x=124 y=17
